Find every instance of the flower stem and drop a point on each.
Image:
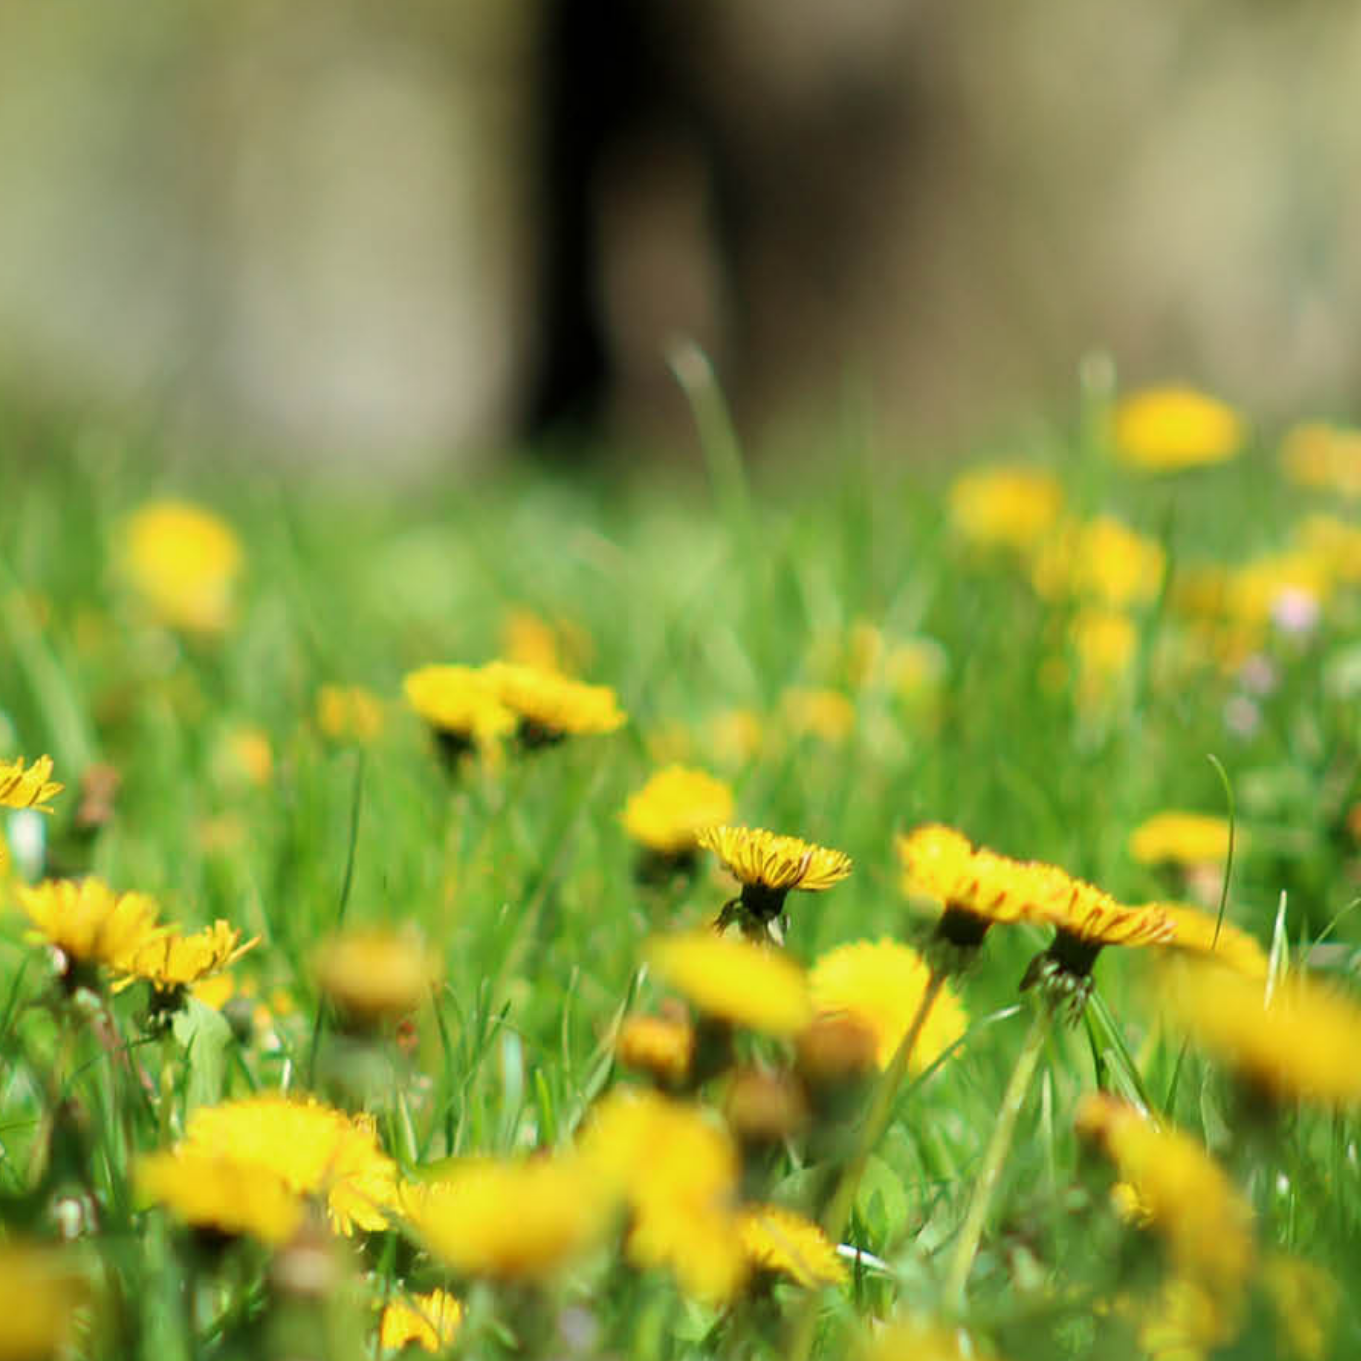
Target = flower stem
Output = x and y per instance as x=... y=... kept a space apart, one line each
x=838 y=1210
x=966 y=1246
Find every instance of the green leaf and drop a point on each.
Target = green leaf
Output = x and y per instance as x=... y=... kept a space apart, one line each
x=881 y=1202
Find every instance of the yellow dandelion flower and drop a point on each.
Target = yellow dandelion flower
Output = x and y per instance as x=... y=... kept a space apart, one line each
x=679 y=1175
x=1005 y=506
x=1302 y=1044
x=769 y=865
x=827 y=715
x=245 y=756
x=1281 y=587
x=41 y=1294
x=374 y=974
x=667 y=814
x=171 y=960
x=915 y=669
x=460 y=704
x=907 y=1340
x=1183 y=1195
x=349 y=713
x=428 y=1321
x=1333 y=544
x=31 y=788
x=1102 y=561
x=880 y=986
x=1090 y=915
x=552 y=706
x=1324 y=457
x=88 y=922
x=512 y=1221
x=779 y=1241
x=1304 y=1299
x=207 y=1191
x=1202 y=933
x=734 y=980
x=312 y=1148
x=184 y=561
x=1177 y=838
x=1167 y=428
x=214 y=992
x=528 y=640
x=736 y=735
x=1104 y=644
x=658 y=1045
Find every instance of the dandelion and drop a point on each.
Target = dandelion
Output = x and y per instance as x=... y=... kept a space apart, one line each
x=1204 y=934
x=768 y=866
x=820 y=713
x=428 y=1321
x=184 y=561
x=906 y=1339
x=1005 y=506
x=171 y=960
x=783 y=1243
x=313 y=1148
x=349 y=713
x=89 y=923
x=512 y=1221
x=218 y=1193
x=880 y=985
x=668 y=813
x=1301 y=1044
x=734 y=981
x=1182 y=1194
x=1104 y=644
x=31 y=788
x=460 y=705
x=660 y=1045
x=374 y=975
x=1177 y=838
x=1165 y=429
x=41 y=1296
x=679 y=1176
x=1324 y=457
x=245 y=756
x=1101 y=561
x=550 y=706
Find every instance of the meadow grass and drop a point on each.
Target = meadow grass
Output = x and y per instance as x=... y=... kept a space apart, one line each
x=234 y=804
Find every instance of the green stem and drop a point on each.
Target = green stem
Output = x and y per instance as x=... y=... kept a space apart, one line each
x=838 y=1210
x=966 y=1246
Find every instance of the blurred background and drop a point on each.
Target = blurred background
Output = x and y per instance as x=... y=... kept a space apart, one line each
x=409 y=234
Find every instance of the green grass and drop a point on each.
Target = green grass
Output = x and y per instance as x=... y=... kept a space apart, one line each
x=522 y=879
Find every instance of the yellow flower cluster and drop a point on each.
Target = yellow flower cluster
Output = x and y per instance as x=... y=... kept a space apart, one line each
x=1165 y=429
x=429 y=1321
x=88 y=922
x=1177 y=838
x=184 y=562
x=221 y=1193
x=373 y=974
x=768 y=866
x=1324 y=458
x=1005 y=506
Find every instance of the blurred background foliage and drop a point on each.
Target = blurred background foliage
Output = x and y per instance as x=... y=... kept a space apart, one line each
x=417 y=231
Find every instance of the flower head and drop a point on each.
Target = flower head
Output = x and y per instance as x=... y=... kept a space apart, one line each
x=1177 y=838
x=1167 y=428
x=460 y=704
x=1202 y=933
x=428 y=1321
x=667 y=814
x=778 y=1240
x=734 y=980
x=172 y=960
x=769 y=865
x=1092 y=916
x=31 y=788
x=512 y=1221
x=1183 y=1195
x=1005 y=507
x=1301 y=1044
x=41 y=1291
x=679 y=1174
x=880 y=985
x=372 y=974
x=551 y=706
x=660 y=1045
x=1101 y=561
x=312 y=1148
x=1324 y=457
x=209 y=1191
x=88 y=922
x=349 y=713
x=184 y=561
